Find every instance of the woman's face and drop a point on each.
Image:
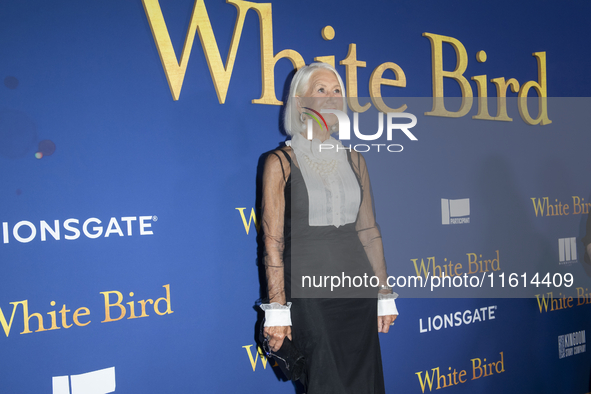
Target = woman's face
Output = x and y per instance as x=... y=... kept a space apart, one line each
x=324 y=92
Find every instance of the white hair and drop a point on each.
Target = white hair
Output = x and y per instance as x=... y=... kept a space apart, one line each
x=299 y=85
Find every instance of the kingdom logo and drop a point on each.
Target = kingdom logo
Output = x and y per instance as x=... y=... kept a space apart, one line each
x=570 y=344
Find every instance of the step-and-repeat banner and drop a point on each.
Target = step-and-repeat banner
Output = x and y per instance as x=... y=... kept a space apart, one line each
x=132 y=137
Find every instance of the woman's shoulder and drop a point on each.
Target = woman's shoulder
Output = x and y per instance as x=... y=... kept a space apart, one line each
x=279 y=155
x=357 y=159
x=284 y=148
x=278 y=160
x=355 y=155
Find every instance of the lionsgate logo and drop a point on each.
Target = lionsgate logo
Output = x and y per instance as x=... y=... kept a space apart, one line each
x=455 y=211
x=345 y=130
x=567 y=251
x=457 y=319
x=571 y=344
x=72 y=228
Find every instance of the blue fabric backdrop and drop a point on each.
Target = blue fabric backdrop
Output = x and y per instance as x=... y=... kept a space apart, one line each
x=149 y=277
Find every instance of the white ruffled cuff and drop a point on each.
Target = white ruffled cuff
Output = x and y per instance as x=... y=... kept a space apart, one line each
x=277 y=314
x=387 y=304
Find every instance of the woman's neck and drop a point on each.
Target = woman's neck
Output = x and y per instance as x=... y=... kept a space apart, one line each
x=320 y=135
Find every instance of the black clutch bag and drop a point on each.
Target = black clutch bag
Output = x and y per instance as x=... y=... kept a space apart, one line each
x=290 y=360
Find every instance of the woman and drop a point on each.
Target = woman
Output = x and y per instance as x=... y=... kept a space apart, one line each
x=318 y=219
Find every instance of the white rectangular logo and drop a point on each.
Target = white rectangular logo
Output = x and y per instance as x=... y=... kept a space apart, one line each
x=455 y=211
x=567 y=250
x=101 y=381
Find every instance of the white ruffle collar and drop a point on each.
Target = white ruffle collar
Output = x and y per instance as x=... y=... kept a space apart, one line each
x=331 y=149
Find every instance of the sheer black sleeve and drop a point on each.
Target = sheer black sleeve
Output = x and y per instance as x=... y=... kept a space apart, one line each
x=275 y=174
x=367 y=227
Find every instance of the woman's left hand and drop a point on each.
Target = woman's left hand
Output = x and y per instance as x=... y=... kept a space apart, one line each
x=384 y=322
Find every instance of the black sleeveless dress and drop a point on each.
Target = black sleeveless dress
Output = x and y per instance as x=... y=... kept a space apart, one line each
x=338 y=336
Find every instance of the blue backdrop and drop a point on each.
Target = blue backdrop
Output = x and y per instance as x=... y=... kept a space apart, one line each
x=129 y=253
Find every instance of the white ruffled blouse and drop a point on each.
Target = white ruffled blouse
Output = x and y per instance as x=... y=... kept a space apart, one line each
x=333 y=190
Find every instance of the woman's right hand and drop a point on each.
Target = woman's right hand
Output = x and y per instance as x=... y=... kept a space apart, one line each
x=276 y=335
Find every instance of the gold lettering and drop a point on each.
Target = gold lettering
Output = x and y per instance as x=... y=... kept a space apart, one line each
x=351 y=63
x=131 y=308
x=423 y=270
x=253 y=360
x=462 y=374
x=502 y=87
x=63 y=312
x=482 y=91
x=576 y=205
x=268 y=61
x=472 y=259
x=376 y=81
x=428 y=379
x=6 y=326
x=482 y=98
x=28 y=317
x=458 y=75
x=81 y=312
x=544 y=302
x=502 y=363
x=498 y=264
x=108 y=306
x=166 y=300
x=539 y=205
x=439 y=385
x=53 y=316
x=476 y=367
x=143 y=303
x=580 y=294
x=251 y=219
x=175 y=70
x=540 y=87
